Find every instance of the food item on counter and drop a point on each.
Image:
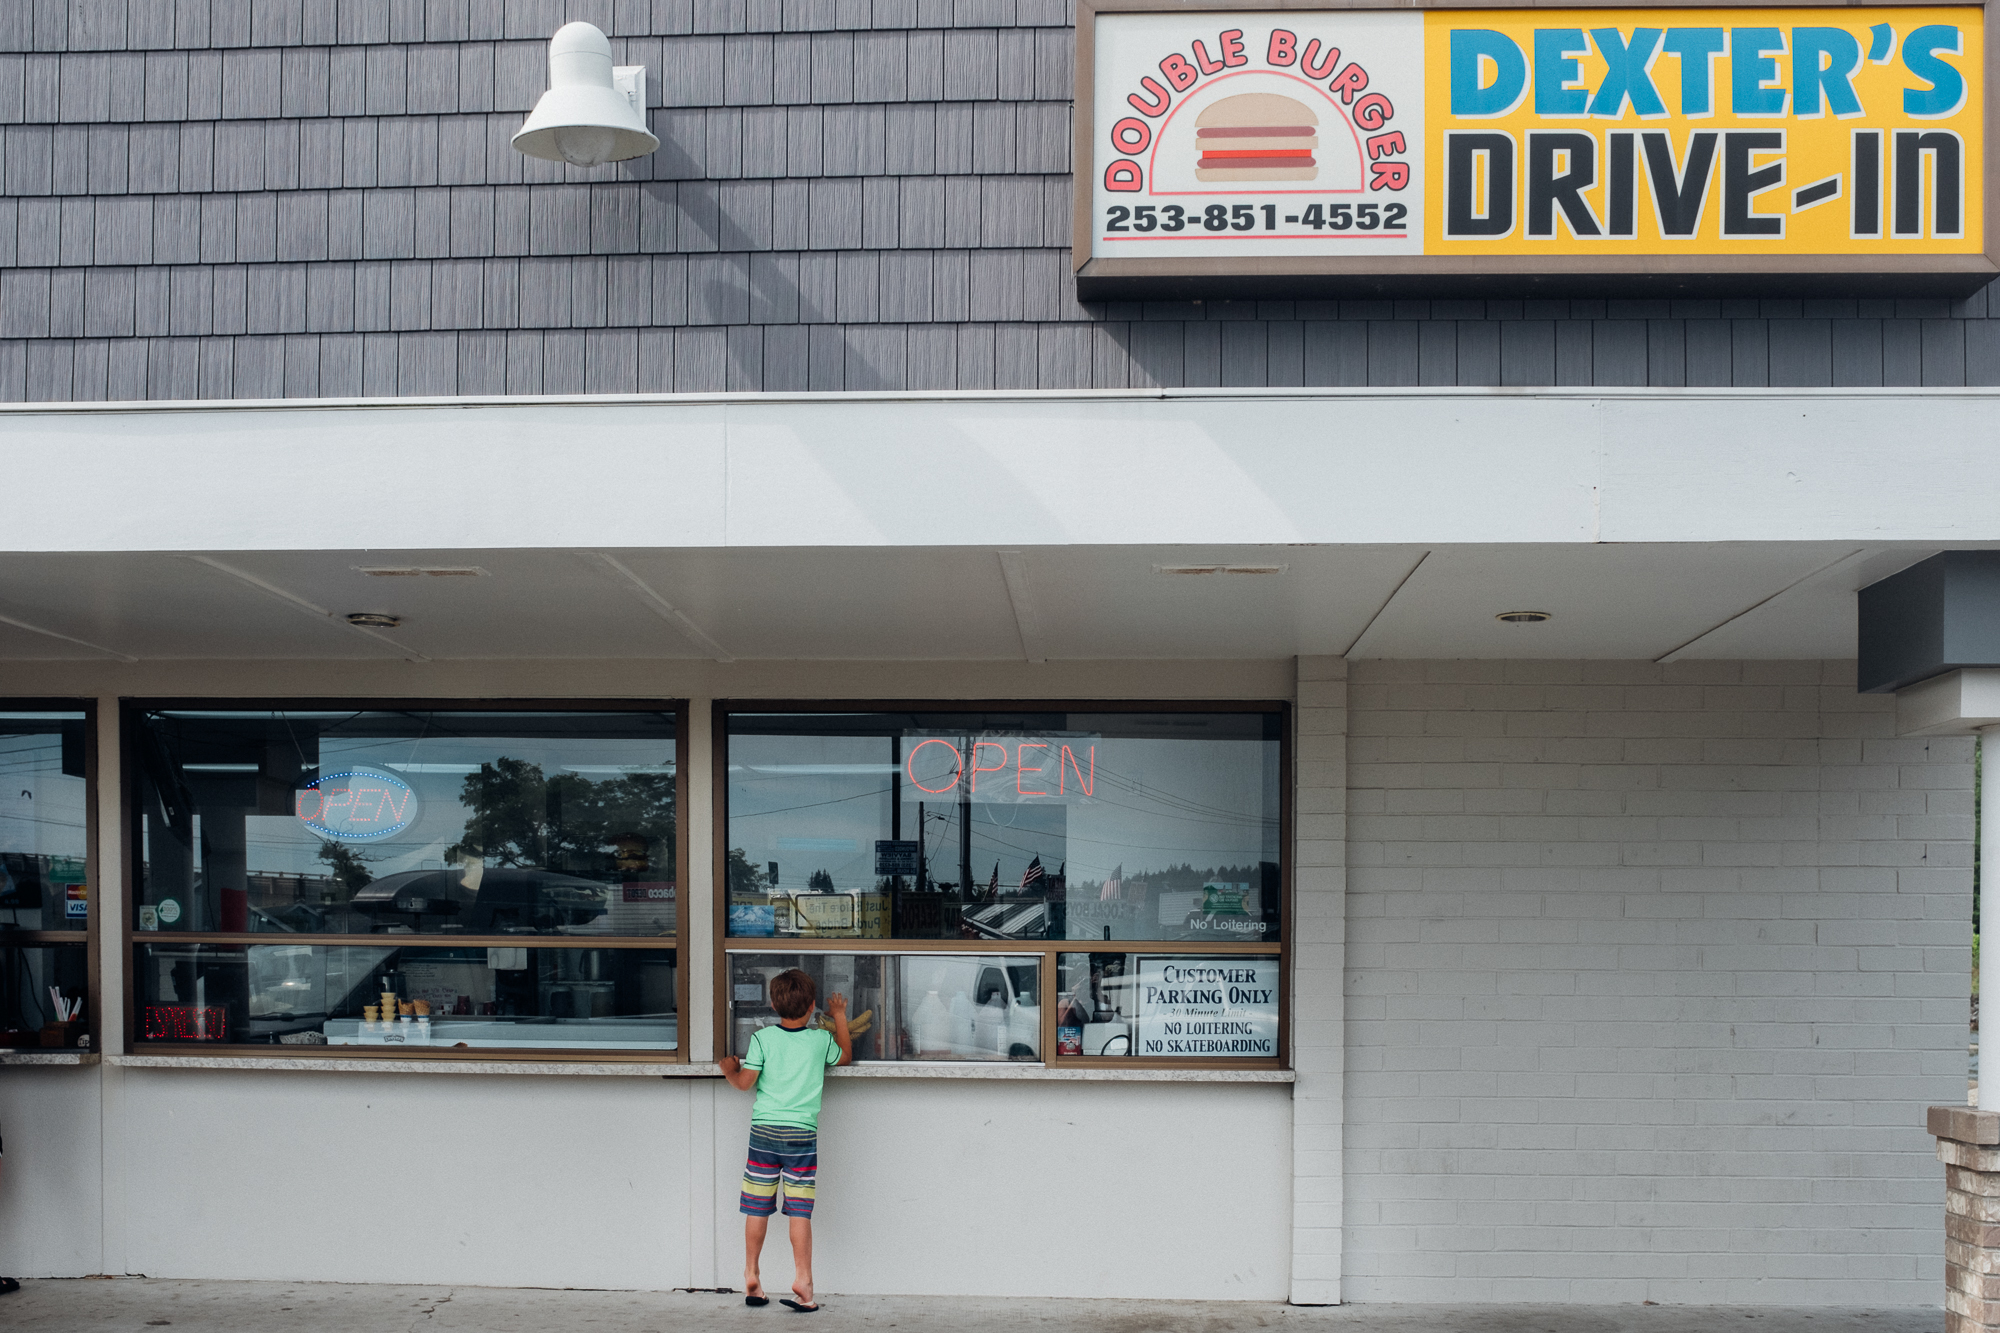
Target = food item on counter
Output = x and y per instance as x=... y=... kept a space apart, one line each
x=370 y=1013
x=406 y=1009
x=423 y=1008
x=857 y=1025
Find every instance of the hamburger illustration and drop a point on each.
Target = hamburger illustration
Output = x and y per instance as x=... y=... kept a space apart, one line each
x=1257 y=137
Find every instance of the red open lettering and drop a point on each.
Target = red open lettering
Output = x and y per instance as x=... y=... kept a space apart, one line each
x=1201 y=58
x=957 y=766
x=972 y=786
x=1021 y=768
x=1373 y=111
x=1123 y=176
x=1067 y=761
x=1179 y=73
x=1232 y=48
x=1284 y=47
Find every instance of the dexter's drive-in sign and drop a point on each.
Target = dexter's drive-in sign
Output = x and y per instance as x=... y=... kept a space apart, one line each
x=1633 y=144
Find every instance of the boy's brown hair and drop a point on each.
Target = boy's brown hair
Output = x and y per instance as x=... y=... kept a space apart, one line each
x=793 y=993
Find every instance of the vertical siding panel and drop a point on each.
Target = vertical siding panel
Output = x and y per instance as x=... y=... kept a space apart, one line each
x=1902 y=352
x=1527 y=352
x=1618 y=352
x=1944 y=352
x=1244 y=354
x=1801 y=353
x=1437 y=352
x=1857 y=353
x=1982 y=352
x=1750 y=353
x=1709 y=354
x=1201 y=354
x=340 y=365
x=1336 y=353
x=933 y=357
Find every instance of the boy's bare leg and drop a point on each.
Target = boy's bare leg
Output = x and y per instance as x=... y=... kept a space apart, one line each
x=802 y=1259
x=753 y=1251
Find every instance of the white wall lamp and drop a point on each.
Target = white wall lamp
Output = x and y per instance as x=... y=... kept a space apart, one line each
x=592 y=113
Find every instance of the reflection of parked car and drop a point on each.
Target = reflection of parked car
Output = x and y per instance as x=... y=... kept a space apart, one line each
x=498 y=901
x=970 y=1007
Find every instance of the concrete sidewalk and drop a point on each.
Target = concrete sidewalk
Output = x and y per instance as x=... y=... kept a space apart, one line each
x=132 y=1305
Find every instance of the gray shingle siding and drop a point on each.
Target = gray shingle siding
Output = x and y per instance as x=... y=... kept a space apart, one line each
x=317 y=197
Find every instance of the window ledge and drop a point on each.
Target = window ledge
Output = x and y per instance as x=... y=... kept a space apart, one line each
x=649 y=1069
x=362 y=1065
x=1087 y=1074
x=19 y=1055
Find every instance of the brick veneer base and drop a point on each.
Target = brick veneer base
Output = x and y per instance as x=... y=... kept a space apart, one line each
x=1969 y=1147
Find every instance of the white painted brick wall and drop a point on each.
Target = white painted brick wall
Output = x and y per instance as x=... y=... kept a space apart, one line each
x=1650 y=973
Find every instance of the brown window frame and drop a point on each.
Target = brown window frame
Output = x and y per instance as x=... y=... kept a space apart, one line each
x=678 y=941
x=1048 y=950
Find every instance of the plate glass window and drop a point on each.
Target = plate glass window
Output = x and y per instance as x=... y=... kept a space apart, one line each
x=952 y=1007
x=1005 y=826
x=406 y=823
x=449 y=879
x=43 y=839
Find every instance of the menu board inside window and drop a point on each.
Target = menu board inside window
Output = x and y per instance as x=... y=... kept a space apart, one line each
x=1524 y=141
x=1004 y=825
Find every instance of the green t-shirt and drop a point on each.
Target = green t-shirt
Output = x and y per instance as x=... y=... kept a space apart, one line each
x=792 y=1065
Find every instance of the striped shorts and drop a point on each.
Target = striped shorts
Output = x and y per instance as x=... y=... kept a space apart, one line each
x=780 y=1153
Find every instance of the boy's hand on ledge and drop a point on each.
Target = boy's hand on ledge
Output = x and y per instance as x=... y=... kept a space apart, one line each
x=729 y=1064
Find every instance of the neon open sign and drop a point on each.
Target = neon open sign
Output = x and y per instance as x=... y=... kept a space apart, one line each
x=1006 y=770
x=356 y=805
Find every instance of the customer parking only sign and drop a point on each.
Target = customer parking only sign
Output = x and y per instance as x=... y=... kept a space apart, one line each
x=1523 y=141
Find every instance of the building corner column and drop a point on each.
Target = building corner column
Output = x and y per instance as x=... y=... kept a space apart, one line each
x=1318 y=935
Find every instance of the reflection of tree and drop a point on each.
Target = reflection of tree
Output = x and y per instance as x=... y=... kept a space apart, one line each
x=518 y=816
x=744 y=877
x=349 y=867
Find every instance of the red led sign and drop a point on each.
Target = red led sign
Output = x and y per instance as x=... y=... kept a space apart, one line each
x=186 y=1022
x=356 y=805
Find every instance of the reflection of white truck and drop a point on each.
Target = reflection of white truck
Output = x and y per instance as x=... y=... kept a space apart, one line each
x=970 y=1007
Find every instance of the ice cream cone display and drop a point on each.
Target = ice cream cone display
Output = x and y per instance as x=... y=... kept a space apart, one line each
x=1257 y=137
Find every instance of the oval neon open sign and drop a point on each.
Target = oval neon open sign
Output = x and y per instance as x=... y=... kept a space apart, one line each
x=356 y=805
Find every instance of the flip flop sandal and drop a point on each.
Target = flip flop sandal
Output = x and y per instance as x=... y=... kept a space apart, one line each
x=756 y=1300
x=790 y=1304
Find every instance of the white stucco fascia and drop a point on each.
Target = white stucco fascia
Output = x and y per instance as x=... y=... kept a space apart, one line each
x=1027 y=469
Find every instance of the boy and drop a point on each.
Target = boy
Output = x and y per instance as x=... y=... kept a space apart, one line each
x=786 y=1065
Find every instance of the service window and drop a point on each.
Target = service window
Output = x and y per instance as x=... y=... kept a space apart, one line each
x=46 y=883
x=408 y=880
x=992 y=842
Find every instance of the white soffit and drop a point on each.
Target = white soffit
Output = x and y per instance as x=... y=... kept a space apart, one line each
x=947 y=603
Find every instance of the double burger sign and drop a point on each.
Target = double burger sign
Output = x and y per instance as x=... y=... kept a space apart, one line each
x=1303 y=151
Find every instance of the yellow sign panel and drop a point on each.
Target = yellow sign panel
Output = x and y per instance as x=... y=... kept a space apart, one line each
x=1592 y=132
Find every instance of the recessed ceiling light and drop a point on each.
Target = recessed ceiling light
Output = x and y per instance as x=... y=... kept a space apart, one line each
x=416 y=571
x=372 y=620
x=1220 y=569
x=1522 y=617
